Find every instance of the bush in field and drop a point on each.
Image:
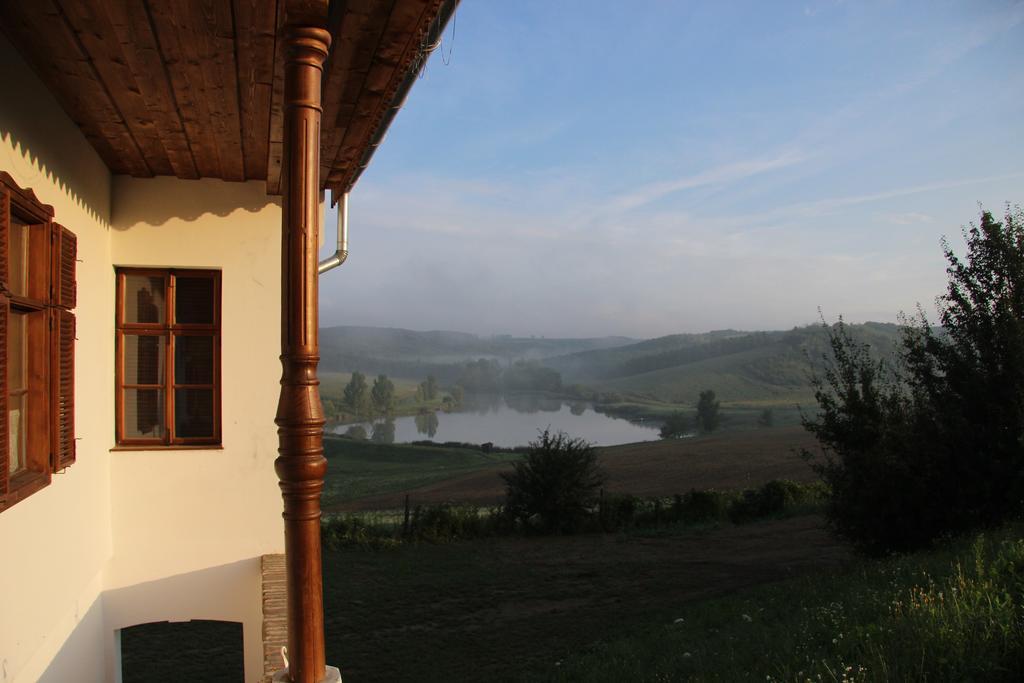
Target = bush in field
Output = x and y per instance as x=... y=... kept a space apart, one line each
x=447 y=522
x=933 y=442
x=773 y=498
x=676 y=425
x=357 y=432
x=701 y=506
x=557 y=483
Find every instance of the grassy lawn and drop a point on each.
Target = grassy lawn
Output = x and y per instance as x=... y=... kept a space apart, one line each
x=954 y=614
x=508 y=609
x=332 y=384
x=356 y=469
x=775 y=600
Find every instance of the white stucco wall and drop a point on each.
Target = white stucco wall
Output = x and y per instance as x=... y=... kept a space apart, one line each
x=56 y=543
x=189 y=525
x=129 y=537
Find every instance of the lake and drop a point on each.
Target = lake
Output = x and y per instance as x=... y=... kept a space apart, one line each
x=508 y=421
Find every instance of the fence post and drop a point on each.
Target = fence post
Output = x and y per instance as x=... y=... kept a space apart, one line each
x=405 y=522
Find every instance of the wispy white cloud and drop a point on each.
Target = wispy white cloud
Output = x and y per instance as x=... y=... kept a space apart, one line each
x=828 y=205
x=719 y=175
x=979 y=33
x=909 y=218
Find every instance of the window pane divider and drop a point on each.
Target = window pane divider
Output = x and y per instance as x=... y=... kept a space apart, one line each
x=171 y=331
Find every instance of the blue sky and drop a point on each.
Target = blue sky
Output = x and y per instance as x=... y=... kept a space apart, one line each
x=588 y=168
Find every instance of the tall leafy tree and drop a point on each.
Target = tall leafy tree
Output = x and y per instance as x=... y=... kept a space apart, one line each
x=933 y=442
x=356 y=394
x=383 y=395
x=707 y=411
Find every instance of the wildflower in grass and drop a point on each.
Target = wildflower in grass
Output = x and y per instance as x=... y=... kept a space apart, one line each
x=747 y=618
x=687 y=655
x=678 y=621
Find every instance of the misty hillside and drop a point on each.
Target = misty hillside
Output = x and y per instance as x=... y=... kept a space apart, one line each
x=738 y=366
x=409 y=353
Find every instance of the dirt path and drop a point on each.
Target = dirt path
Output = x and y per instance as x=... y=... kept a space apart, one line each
x=487 y=610
x=655 y=468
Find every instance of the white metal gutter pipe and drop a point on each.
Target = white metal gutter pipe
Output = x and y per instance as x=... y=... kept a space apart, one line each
x=341 y=253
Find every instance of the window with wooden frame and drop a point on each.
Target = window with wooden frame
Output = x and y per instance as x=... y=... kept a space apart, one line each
x=37 y=344
x=168 y=357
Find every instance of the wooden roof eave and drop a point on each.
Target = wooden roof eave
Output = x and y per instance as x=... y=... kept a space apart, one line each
x=193 y=88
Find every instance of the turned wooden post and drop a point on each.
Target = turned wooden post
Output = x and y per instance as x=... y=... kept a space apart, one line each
x=300 y=420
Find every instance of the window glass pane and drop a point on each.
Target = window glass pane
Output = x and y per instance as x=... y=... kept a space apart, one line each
x=16 y=406
x=194 y=300
x=144 y=359
x=193 y=413
x=18 y=263
x=17 y=398
x=193 y=360
x=143 y=413
x=144 y=299
x=17 y=346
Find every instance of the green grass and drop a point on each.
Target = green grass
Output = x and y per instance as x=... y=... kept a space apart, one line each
x=332 y=388
x=506 y=609
x=954 y=614
x=332 y=384
x=650 y=516
x=360 y=468
x=734 y=414
x=759 y=374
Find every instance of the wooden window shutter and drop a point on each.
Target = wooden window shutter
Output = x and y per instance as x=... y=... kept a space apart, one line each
x=65 y=294
x=64 y=390
x=5 y=214
x=66 y=258
x=5 y=309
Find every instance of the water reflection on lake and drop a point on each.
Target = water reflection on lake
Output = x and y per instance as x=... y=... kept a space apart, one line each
x=507 y=421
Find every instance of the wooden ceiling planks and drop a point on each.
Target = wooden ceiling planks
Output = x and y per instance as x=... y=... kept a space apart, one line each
x=256 y=28
x=351 y=57
x=197 y=41
x=133 y=26
x=275 y=141
x=397 y=51
x=94 y=30
x=41 y=33
x=193 y=88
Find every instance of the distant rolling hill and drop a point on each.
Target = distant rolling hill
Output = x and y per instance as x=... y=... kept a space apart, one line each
x=752 y=367
x=410 y=353
x=738 y=366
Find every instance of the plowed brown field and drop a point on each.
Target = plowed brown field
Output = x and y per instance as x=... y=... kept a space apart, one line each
x=730 y=460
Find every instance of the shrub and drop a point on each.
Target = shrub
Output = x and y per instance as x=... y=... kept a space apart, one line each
x=677 y=424
x=702 y=506
x=556 y=484
x=447 y=522
x=933 y=442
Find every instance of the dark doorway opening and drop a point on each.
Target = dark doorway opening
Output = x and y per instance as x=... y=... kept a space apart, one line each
x=182 y=651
